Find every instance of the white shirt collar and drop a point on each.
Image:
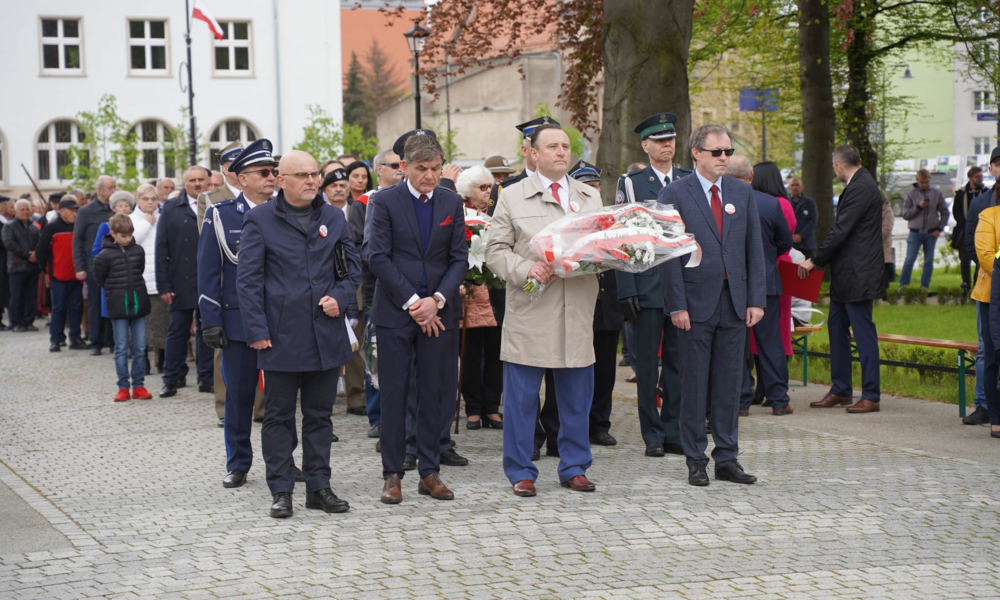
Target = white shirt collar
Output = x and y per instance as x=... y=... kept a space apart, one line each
x=669 y=173
x=248 y=201
x=416 y=194
x=235 y=191
x=563 y=189
x=529 y=172
x=706 y=186
x=193 y=202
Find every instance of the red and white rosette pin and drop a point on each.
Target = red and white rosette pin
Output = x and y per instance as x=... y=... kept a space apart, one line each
x=322 y=231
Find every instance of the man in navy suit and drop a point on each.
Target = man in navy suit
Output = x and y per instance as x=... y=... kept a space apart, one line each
x=712 y=304
x=776 y=239
x=418 y=253
x=298 y=272
x=177 y=282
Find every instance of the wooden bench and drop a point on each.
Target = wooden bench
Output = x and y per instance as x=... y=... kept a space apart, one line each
x=800 y=341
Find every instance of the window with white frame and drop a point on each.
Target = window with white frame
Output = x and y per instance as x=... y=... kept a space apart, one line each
x=151 y=137
x=980 y=145
x=226 y=132
x=148 y=47
x=53 y=149
x=234 y=53
x=982 y=101
x=61 y=45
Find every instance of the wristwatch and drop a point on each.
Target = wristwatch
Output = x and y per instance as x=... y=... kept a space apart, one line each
x=440 y=300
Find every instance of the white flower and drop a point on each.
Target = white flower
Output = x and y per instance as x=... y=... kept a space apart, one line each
x=477 y=253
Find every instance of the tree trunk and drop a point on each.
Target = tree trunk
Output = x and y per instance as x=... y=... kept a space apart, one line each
x=818 y=116
x=856 y=102
x=645 y=72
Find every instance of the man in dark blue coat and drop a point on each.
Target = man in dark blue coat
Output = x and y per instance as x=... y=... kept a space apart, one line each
x=640 y=297
x=775 y=239
x=806 y=218
x=298 y=271
x=219 y=304
x=418 y=253
x=712 y=304
x=177 y=283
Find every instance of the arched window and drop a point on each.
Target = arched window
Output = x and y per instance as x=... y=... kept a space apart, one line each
x=152 y=135
x=226 y=132
x=53 y=144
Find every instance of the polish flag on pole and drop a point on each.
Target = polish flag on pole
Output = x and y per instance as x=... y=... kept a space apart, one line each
x=201 y=13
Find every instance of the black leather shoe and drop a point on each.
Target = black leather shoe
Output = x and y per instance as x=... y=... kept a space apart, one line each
x=994 y=434
x=167 y=390
x=327 y=501
x=297 y=474
x=181 y=383
x=94 y=351
x=222 y=423
x=733 y=471
x=281 y=508
x=334 y=438
x=409 y=462
x=603 y=438
x=697 y=475
x=54 y=347
x=206 y=388
x=552 y=451
x=489 y=423
x=375 y=431
x=673 y=448
x=980 y=416
x=453 y=459
x=3 y=327
x=30 y=328
x=234 y=479
x=77 y=345
x=473 y=425
x=655 y=450
x=360 y=411
x=536 y=454
x=378 y=446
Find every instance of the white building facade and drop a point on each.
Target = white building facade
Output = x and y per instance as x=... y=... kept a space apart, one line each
x=62 y=56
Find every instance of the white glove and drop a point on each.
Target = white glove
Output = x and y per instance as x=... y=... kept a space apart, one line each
x=353 y=322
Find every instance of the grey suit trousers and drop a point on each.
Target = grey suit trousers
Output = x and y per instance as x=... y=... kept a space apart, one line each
x=711 y=357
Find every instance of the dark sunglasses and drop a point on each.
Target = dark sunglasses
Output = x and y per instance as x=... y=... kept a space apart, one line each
x=391 y=165
x=718 y=153
x=265 y=172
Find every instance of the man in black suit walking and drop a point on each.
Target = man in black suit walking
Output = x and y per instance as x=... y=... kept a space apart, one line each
x=177 y=282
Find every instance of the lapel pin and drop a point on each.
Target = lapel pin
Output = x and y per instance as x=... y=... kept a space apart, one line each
x=730 y=209
x=322 y=231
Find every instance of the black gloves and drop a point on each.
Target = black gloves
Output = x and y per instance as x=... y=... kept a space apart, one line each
x=629 y=307
x=215 y=337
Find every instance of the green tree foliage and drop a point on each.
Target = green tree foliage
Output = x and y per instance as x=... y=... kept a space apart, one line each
x=177 y=143
x=110 y=147
x=358 y=106
x=324 y=138
x=577 y=143
x=383 y=83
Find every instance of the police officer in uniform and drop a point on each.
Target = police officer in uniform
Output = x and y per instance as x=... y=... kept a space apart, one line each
x=640 y=297
x=219 y=304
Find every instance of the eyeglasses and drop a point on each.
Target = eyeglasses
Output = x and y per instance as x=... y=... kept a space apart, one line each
x=264 y=172
x=719 y=152
x=485 y=187
x=304 y=176
x=394 y=165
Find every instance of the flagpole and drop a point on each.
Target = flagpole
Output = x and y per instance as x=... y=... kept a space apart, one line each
x=190 y=88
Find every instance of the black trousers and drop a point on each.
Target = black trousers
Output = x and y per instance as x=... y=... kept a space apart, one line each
x=23 y=298
x=277 y=436
x=175 y=353
x=482 y=371
x=605 y=372
x=95 y=321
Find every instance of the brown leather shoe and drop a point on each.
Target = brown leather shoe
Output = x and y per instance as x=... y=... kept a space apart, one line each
x=392 y=491
x=432 y=486
x=782 y=411
x=524 y=488
x=864 y=406
x=579 y=483
x=830 y=400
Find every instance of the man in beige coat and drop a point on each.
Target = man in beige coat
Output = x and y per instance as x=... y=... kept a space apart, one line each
x=552 y=332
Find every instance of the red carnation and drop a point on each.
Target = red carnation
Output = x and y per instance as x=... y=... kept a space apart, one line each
x=468 y=234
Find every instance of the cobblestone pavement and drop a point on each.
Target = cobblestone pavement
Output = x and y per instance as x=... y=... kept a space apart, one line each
x=137 y=489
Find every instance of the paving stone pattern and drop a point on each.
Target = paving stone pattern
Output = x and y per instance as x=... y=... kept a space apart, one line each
x=137 y=489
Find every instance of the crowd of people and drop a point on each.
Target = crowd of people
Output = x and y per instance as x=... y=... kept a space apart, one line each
x=266 y=274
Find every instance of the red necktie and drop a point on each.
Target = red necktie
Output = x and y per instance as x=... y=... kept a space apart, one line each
x=717 y=208
x=423 y=198
x=555 y=192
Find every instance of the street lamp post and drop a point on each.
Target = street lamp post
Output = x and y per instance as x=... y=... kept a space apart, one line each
x=416 y=37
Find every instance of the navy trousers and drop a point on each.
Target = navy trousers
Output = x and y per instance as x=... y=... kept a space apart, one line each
x=175 y=353
x=23 y=298
x=94 y=319
x=67 y=309
x=856 y=317
x=239 y=371
x=318 y=390
x=711 y=361
x=576 y=389
x=772 y=374
x=991 y=367
x=431 y=363
x=654 y=334
x=447 y=415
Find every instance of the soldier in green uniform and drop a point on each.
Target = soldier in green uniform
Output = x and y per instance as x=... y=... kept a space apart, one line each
x=640 y=297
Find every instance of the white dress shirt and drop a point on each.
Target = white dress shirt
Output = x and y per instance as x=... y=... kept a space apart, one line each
x=235 y=191
x=706 y=185
x=193 y=203
x=563 y=189
x=662 y=176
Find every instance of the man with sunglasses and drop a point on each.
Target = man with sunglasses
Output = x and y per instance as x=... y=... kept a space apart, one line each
x=219 y=304
x=640 y=298
x=713 y=303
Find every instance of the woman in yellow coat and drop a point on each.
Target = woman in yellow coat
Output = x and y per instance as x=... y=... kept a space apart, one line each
x=987 y=242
